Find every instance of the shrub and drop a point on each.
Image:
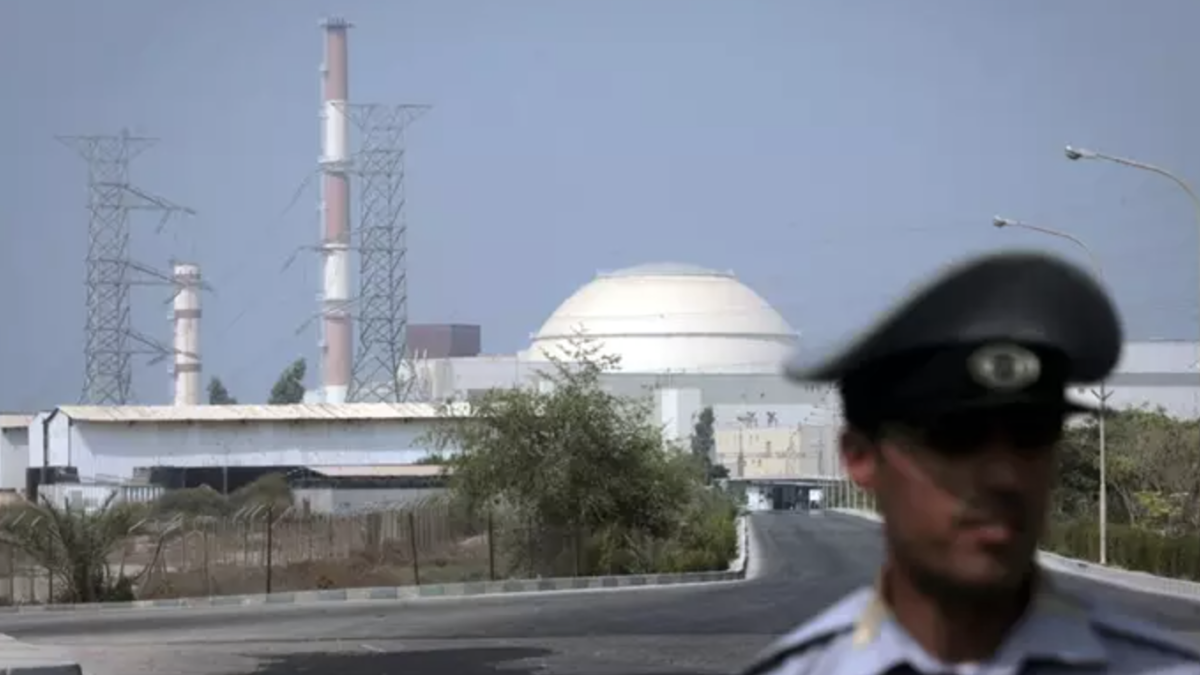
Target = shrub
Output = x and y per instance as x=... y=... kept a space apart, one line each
x=581 y=481
x=1129 y=547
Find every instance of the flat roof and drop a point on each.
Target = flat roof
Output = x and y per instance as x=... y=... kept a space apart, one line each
x=381 y=471
x=311 y=412
x=15 y=420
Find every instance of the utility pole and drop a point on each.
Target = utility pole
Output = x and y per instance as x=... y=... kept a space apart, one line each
x=110 y=339
x=1103 y=395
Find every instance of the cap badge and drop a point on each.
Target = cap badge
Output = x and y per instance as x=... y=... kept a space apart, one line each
x=1004 y=367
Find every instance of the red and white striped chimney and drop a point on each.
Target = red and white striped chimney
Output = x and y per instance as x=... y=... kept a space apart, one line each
x=337 y=346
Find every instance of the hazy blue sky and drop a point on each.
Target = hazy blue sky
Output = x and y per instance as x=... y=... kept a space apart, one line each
x=826 y=152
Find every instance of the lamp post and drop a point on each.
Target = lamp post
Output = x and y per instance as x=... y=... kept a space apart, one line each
x=1103 y=395
x=1075 y=154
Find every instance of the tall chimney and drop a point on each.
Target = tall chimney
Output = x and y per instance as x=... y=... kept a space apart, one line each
x=336 y=343
x=186 y=317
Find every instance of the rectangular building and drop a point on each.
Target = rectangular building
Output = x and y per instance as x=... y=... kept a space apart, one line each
x=444 y=340
x=110 y=444
x=14 y=450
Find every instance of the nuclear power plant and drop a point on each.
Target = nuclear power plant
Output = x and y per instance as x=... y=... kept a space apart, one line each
x=687 y=338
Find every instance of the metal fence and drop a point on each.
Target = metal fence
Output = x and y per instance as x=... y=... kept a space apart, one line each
x=259 y=551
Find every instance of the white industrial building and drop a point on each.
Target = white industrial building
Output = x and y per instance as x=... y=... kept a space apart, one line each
x=1154 y=374
x=688 y=337
x=111 y=443
x=693 y=337
x=701 y=338
x=14 y=450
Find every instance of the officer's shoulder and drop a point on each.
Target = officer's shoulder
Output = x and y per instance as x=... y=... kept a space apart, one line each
x=1124 y=632
x=814 y=635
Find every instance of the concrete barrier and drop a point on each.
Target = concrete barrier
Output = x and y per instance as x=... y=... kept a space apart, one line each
x=743 y=535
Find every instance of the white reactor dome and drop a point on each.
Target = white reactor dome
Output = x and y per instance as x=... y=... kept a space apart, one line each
x=668 y=317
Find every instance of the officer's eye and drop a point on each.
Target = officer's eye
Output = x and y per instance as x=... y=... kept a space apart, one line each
x=1022 y=429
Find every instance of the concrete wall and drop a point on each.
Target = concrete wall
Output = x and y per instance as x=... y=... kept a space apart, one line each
x=109 y=452
x=14 y=457
x=351 y=500
x=782 y=452
x=455 y=378
x=677 y=411
x=92 y=497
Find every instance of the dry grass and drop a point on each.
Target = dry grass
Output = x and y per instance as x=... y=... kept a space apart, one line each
x=227 y=556
x=393 y=568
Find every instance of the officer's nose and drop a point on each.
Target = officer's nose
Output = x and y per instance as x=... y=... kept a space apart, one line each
x=1000 y=465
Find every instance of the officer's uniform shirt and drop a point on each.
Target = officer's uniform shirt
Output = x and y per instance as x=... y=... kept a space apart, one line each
x=1060 y=634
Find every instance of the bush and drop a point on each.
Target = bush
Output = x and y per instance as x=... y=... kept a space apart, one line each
x=1129 y=547
x=707 y=537
x=74 y=545
x=201 y=501
x=581 y=482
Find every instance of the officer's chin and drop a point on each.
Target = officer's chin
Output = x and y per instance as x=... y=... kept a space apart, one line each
x=987 y=574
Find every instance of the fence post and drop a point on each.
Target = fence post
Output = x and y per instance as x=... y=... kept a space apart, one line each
x=491 y=538
x=412 y=544
x=270 y=544
x=207 y=570
x=12 y=574
x=577 y=542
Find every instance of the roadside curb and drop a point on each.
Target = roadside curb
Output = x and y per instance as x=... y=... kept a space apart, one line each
x=21 y=658
x=736 y=572
x=743 y=545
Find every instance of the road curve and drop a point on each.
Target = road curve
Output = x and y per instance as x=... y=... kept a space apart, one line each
x=807 y=562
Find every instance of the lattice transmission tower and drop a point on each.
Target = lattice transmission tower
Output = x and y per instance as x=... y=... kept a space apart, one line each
x=110 y=339
x=382 y=302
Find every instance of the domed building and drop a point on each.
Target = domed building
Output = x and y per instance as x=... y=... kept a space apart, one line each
x=690 y=338
x=670 y=318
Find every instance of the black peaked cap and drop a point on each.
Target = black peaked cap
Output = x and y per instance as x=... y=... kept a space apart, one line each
x=1039 y=302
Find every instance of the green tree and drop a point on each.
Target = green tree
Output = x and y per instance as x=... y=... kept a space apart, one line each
x=704 y=446
x=703 y=442
x=218 y=394
x=289 y=388
x=1153 y=471
x=584 y=474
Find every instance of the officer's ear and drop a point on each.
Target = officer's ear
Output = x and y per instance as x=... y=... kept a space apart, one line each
x=860 y=457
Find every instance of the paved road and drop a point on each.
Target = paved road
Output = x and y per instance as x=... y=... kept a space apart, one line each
x=809 y=561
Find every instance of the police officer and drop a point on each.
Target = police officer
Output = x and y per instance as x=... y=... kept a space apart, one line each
x=954 y=404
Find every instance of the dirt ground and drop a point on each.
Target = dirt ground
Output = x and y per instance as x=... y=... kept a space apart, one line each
x=468 y=561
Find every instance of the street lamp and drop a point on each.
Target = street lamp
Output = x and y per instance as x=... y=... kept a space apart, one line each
x=1103 y=394
x=1075 y=154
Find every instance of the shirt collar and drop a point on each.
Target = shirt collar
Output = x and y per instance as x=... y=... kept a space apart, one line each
x=1056 y=628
